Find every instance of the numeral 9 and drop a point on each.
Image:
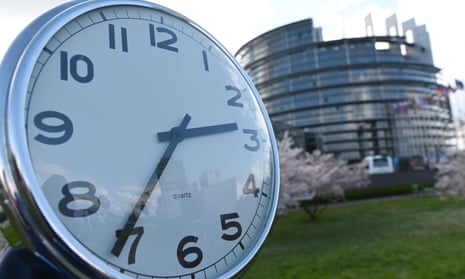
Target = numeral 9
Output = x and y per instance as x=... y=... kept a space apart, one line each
x=65 y=127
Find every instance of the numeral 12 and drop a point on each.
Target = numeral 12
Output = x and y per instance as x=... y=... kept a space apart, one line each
x=168 y=43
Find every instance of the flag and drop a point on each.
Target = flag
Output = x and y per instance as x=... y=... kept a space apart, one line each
x=459 y=84
x=420 y=101
x=430 y=99
x=443 y=91
x=439 y=90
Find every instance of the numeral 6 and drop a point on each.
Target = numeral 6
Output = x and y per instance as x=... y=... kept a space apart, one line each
x=184 y=252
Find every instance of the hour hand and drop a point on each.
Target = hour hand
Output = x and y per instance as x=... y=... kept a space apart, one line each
x=196 y=132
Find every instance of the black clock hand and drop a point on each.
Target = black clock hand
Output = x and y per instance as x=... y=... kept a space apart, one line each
x=196 y=132
x=128 y=228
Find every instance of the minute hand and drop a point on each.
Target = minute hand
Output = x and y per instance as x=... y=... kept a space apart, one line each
x=198 y=132
x=128 y=229
x=174 y=136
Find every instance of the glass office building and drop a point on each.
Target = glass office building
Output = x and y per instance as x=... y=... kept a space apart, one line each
x=353 y=97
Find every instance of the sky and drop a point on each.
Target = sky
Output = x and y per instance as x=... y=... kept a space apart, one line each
x=234 y=23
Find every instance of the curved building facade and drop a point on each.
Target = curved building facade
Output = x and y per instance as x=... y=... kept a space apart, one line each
x=352 y=97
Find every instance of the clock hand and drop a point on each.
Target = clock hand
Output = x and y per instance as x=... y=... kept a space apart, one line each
x=196 y=132
x=174 y=136
x=128 y=228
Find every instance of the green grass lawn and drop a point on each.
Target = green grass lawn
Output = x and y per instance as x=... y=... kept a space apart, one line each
x=418 y=237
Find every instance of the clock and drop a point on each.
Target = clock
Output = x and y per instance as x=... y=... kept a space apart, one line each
x=134 y=145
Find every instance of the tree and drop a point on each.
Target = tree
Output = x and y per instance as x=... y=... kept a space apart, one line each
x=308 y=179
x=451 y=176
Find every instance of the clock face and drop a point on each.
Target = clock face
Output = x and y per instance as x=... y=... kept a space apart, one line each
x=149 y=145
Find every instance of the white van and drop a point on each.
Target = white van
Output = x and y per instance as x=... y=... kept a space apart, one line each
x=379 y=164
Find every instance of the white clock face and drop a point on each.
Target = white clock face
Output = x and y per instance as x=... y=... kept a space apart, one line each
x=149 y=145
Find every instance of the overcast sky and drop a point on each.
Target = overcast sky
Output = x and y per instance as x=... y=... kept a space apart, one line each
x=236 y=22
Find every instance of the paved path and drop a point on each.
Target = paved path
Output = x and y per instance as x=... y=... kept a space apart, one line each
x=2 y=245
